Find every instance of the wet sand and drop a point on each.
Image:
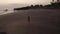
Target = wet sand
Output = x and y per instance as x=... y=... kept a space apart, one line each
x=42 y=21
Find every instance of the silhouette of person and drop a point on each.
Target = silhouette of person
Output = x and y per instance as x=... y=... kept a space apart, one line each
x=28 y=19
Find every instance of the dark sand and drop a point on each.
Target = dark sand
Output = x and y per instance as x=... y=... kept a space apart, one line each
x=43 y=21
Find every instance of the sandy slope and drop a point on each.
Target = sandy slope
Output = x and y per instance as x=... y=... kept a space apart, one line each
x=43 y=21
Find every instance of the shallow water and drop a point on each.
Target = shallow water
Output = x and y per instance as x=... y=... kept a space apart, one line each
x=5 y=12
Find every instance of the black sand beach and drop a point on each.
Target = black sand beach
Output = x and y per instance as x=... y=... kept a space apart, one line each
x=42 y=21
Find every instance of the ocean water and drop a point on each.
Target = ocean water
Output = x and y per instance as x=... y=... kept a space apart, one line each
x=5 y=12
